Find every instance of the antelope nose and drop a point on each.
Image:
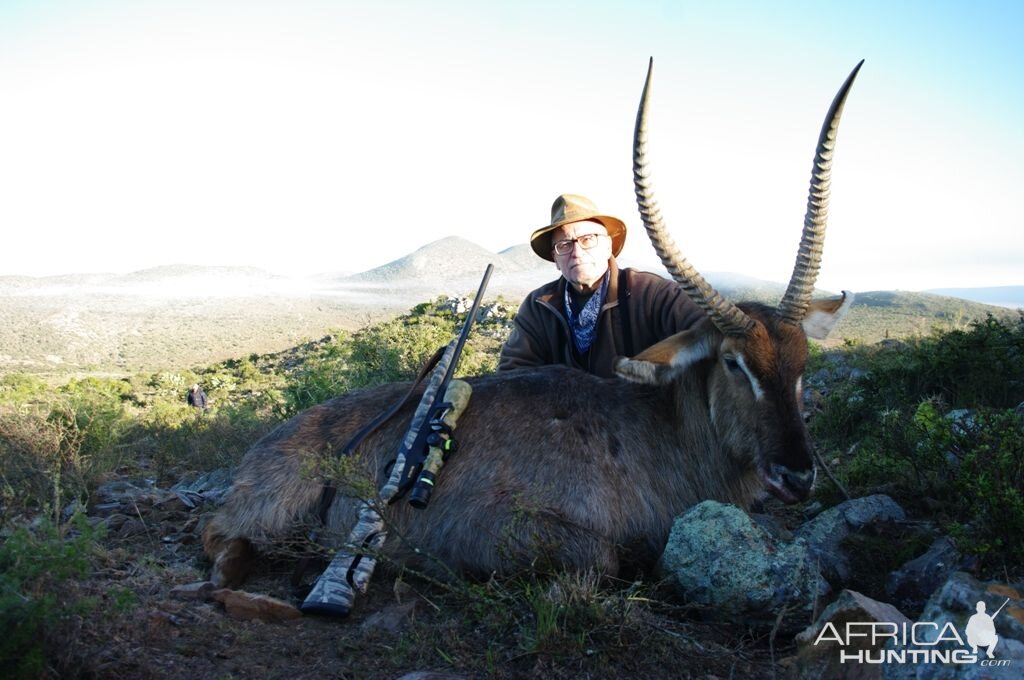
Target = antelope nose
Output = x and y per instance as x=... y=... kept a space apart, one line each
x=797 y=482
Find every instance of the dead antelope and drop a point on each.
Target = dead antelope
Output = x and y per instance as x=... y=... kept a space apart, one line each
x=558 y=465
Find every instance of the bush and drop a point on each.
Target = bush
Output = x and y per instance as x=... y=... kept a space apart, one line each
x=182 y=439
x=392 y=351
x=20 y=388
x=41 y=466
x=395 y=350
x=35 y=602
x=319 y=378
x=899 y=415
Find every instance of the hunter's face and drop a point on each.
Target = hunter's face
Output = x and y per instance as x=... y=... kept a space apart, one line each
x=582 y=267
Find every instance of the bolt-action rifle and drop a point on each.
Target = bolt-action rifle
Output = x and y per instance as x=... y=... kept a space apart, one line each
x=348 y=573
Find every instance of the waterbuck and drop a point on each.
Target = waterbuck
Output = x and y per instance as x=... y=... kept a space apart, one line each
x=558 y=466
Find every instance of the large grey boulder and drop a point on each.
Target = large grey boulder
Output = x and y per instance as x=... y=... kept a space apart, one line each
x=910 y=586
x=825 y=533
x=718 y=558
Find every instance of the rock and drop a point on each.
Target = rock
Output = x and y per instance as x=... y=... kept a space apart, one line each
x=122 y=490
x=174 y=503
x=116 y=521
x=911 y=585
x=71 y=509
x=455 y=305
x=210 y=488
x=105 y=509
x=963 y=421
x=392 y=618
x=200 y=590
x=943 y=625
x=131 y=527
x=773 y=525
x=813 y=509
x=825 y=533
x=718 y=558
x=248 y=607
x=820 y=655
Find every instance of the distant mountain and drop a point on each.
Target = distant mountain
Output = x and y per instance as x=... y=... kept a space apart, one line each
x=1004 y=296
x=522 y=258
x=450 y=259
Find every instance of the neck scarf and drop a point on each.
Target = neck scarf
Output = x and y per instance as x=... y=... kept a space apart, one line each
x=584 y=325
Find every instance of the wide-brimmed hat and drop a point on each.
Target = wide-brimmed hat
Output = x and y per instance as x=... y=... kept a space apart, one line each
x=569 y=208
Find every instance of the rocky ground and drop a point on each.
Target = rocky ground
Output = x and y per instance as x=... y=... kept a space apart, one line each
x=757 y=591
x=158 y=619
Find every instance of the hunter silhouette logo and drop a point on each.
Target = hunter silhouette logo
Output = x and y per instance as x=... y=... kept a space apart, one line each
x=878 y=642
x=981 y=629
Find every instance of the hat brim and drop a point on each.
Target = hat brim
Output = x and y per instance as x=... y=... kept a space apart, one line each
x=540 y=240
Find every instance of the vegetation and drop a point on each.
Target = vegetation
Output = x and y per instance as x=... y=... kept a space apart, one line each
x=36 y=600
x=937 y=421
x=933 y=420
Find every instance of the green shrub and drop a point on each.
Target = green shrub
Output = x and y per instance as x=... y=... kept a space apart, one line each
x=396 y=350
x=989 y=486
x=897 y=416
x=35 y=602
x=318 y=378
x=20 y=388
x=391 y=351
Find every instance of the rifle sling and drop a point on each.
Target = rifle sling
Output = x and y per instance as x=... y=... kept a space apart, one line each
x=329 y=490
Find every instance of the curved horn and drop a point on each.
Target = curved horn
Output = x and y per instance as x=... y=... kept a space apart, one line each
x=808 y=258
x=726 y=316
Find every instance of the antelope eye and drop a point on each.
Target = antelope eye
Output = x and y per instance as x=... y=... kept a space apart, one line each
x=731 y=363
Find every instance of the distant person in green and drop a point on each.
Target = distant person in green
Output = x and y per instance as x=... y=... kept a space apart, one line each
x=197 y=398
x=595 y=312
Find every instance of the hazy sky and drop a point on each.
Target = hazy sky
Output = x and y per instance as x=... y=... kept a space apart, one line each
x=305 y=136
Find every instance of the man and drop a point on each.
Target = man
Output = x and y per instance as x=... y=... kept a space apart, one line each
x=595 y=312
x=197 y=398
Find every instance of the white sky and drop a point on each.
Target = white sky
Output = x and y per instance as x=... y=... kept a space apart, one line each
x=309 y=136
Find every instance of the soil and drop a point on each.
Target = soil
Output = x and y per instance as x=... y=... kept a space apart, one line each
x=138 y=629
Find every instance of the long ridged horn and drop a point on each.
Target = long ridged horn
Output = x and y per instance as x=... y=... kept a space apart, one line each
x=808 y=258
x=726 y=316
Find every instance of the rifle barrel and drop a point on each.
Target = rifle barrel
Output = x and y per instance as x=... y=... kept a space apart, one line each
x=470 y=319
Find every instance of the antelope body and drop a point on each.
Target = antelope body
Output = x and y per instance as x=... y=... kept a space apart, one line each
x=558 y=466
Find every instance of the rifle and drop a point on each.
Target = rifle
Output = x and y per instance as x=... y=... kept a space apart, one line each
x=427 y=422
x=334 y=592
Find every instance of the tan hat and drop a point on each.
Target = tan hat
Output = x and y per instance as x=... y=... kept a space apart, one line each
x=569 y=208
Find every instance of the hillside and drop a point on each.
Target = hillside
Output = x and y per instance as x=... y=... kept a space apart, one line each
x=894 y=314
x=183 y=315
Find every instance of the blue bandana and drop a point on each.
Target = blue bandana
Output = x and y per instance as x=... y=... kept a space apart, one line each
x=584 y=326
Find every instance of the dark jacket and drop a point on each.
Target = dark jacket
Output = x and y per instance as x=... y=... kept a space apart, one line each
x=654 y=307
x=197 y=398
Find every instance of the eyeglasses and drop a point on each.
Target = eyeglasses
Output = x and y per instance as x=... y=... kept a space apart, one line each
x=587 y=241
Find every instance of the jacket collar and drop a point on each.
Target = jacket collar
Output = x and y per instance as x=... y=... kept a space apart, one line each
x=555 y=296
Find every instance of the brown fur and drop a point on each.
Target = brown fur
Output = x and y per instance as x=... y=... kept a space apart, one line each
x=554 y=465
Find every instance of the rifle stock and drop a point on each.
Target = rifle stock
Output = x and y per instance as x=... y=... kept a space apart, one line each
x=334 y=592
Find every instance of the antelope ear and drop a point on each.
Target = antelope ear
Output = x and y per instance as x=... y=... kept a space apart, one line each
x=823 y=315
x=666 y=360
